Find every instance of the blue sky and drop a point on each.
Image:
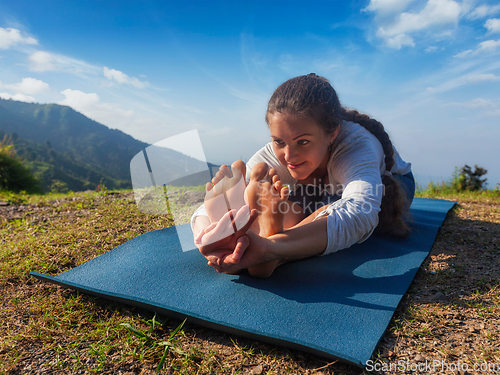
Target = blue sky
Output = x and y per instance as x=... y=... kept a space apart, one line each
x=429 y=70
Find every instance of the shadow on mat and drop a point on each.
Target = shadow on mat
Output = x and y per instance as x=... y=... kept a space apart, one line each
x=370 y=275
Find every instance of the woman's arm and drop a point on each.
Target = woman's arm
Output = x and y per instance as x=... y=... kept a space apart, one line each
x=302 y=241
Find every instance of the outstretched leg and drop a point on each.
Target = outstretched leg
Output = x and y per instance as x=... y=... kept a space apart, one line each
x=266 y=193
x=225 y=192
x=268 y=198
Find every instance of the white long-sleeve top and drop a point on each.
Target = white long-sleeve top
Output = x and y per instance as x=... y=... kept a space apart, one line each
x=355 y=171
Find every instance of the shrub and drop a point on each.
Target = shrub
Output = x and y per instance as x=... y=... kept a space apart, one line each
x=14 y=176
x=463 y=180
x=58 y=186
x=467 y=180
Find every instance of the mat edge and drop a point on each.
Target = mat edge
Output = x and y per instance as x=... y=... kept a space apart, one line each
x=197 y=320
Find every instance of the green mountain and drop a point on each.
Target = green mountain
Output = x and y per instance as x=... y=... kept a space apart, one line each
x=63 y=147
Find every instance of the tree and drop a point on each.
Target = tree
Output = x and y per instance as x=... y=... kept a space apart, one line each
x=469 y=180
x=58 y=186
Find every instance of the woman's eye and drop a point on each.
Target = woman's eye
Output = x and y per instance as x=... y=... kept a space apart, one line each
x=303 y=142
x=278 y=142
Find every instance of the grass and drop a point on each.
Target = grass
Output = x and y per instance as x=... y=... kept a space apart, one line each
x=79 y=228
x=45 y=328
x=449 y=189
x=48 y=328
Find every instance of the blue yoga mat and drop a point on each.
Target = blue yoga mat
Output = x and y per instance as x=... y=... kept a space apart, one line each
x=337 y=306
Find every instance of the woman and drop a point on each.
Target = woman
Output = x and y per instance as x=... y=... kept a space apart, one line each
x=346 y=179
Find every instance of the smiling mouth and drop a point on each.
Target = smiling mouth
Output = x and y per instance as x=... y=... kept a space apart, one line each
x=294 y=166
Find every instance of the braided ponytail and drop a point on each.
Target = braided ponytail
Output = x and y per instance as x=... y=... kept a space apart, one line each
x=392 y=209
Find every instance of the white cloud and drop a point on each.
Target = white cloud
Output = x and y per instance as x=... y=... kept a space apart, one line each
x=28 y=86
x=487 y=46
x=464 y=80
x=464 y=53
x=491 y=108
x=483 y=11
x=113 y=110
x=431 y=49
x=41 y=61
x=10 y=37
x=399 y=41
x=477 y=78
x=397 y=31
x=88 y=104
x=480 y=103
x=18 y=97
x=122 y=78
x=387 y=7
x=78 y=100
x=493 y=25
x=115 y=75
x=436 y=12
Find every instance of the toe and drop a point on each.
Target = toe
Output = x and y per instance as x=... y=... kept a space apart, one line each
x=281 y=190
x=216 y=178
x=259 y=171
x=284 y=192
x=226 y=172
x=221 y=173
x=239 y=169
x=219 y=176
x=272 y=173
x=277 y=185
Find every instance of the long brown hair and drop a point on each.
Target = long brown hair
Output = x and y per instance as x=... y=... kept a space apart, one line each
x=314 y=96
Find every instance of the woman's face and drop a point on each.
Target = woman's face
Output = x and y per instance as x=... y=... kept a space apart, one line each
x=301 y=145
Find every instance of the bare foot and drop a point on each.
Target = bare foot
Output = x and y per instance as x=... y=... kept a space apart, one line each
x=268 y=196
x=225 y=192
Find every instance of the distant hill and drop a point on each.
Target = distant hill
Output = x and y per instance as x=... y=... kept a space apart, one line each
x=56 y=170
x=62 y=145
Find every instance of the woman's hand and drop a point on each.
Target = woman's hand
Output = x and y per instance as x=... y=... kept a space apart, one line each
x=225 y=242
x=300 y=242
x=255 y=253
